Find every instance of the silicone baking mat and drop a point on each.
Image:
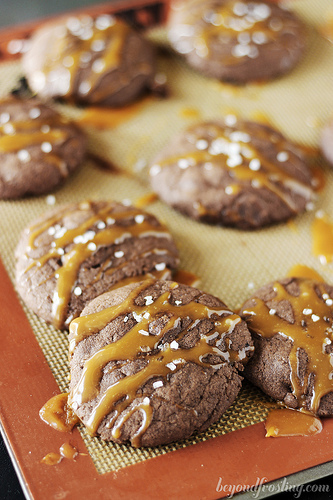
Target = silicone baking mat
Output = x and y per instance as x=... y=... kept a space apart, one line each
x=230 y=263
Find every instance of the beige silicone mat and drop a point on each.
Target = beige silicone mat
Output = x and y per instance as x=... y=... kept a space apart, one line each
x=229 y=262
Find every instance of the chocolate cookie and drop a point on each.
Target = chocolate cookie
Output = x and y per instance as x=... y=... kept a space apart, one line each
x=291 y=322
x=326 y=141
x=154 y=362
x=38 y=148
x=74 y=253
x=236 y=41
x=93 y=61
x=234 y=173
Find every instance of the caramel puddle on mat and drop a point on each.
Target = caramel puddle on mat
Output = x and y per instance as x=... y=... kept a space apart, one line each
x=146 y=200
x=104 y=118
x=186 y=278
x=284 y=422
x=189 y=113
x=66 y=451
x=302 y=271
x=326 y=29
x=322 y=237
x=58 y=414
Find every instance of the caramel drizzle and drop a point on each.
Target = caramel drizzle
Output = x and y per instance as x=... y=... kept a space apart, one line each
x=24 y=134
x=161 y=360
x=285 y=422
x=226 y=15
x=269 y=175
x=109 y=58
x=311 y=331
x=73 y=248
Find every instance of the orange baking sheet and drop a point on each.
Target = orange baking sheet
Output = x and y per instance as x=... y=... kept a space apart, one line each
x=212 y=468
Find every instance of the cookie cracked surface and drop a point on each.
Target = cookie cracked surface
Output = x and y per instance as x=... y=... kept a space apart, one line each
x=153 y=362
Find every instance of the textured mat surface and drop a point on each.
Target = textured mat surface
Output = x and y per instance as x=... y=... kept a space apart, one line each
x=230 y=263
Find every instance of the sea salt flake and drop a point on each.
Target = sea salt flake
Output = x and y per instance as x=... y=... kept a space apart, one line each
x=254 y=164
x=137 y=317
x=139 y=218
x=24 y=155
x=282 y=156
x=46 y=147
x=34 y=113
x=50 y=200
x=149 y=300
x=92 y=246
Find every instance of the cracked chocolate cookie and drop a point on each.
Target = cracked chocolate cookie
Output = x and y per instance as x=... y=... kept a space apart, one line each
x=74 y=253
x=291 y=323
x=236 y=41
x=39 y=148
x=234 y=173
x=154 y=362
x=91 y=61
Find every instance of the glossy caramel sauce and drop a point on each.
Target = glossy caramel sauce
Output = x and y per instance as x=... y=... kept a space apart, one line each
x=326 y=29
x=284 y=422
x=311 y=331
x=189 y=113
x=68 y=451
x=120 y=400
x=58 y=414
x=106 y=118
x=322 y=237
x=84 y=42
x=230 y=147
x=146 y=200
x=17 y=137
x=302 y=271
x=186 y=277
x=51 y=459
x=250 y=25
x=74 y=246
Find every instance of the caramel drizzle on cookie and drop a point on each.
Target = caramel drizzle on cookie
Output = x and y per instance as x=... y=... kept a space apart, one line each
x=161 y=358
x=310 y=331
x=16 y=136
x=73 y=246
x=231 y=148
x=93 y=47
x=248 y=27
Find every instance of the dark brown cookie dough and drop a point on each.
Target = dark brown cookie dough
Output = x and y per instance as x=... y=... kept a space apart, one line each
x=326 y=141
x=234 y=173
x=92 y=61
x=291 y=322
x=236 y=41
x=74 y=253
x=154 y=362
x=38 y=148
